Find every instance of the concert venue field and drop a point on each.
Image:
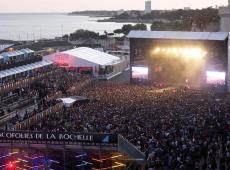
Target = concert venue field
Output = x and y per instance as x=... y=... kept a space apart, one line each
x=174 y=115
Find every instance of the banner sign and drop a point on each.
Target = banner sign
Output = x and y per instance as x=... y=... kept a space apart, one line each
x=49 y=137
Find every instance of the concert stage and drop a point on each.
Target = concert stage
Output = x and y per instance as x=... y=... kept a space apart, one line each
x=191 y=59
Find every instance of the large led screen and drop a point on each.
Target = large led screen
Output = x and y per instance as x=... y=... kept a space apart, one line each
x=215 y=77
x=140 y=72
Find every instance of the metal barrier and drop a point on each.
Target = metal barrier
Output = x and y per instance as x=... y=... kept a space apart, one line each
x=38 y=117
x=129 y=149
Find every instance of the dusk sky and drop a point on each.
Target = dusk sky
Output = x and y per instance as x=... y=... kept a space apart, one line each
x=73 y=5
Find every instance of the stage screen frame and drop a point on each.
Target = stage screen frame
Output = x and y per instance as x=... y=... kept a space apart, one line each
x=141 y=73
x=216 y=77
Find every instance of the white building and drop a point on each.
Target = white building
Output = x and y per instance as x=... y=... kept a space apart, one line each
x=148 y=6
x=100 y=64
x=224 y=13
x=187 y=8
x=119 y=12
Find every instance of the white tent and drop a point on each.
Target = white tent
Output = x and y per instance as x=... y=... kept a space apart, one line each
x=68 y=102
x=83 y=57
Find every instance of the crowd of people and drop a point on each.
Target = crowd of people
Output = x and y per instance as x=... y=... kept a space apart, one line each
x=177 y=129
x=39 y=95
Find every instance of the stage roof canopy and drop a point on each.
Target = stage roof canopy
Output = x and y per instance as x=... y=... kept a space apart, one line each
x=93 y=56
x=179 y=35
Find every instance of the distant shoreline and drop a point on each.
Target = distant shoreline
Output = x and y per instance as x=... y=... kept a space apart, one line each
x=146 y=21
x=126 y=20
x=89 y=15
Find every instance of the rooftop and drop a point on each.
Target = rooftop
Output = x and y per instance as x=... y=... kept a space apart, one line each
x=92 y=55
x=5 y=46
x=20 y=69
x=179 y=35
x=17 y=52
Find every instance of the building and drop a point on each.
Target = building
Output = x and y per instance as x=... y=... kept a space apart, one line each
x=18 y=58
x=121 y=11
x=224 y=13
x=199 y=59
x=187 y=8
x=90 y=61
x=148 y=6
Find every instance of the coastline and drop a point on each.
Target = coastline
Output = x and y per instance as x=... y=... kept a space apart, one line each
x=89 y=15
x=134 y=20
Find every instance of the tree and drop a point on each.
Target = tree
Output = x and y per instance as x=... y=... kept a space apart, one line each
x=110 y=34
x=103 y=37
x=171 y=26
x=118 y=31
x=124 y=15
x=140 y=27
x=66 y=36
x=106 y=33
x=126 y=28
x=83 y=34
x=157 y=26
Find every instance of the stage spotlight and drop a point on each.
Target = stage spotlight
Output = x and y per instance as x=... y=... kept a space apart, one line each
x=205 y=53
x=175 y=50
x=157 y=50
x=177 y=54
x=193 y=53
x=183 y=52
x=169 y=50
x=11 y=166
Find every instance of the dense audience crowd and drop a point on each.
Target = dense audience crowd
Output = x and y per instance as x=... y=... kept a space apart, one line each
x=176 y=128
x=40 y=95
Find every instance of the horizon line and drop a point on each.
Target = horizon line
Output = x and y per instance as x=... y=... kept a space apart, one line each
x=62 y=12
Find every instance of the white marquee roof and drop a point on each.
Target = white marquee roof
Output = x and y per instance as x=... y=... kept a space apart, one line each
x=20 y=69
x=92 y=55
x=27 y=50
x=68 y=102
x=17 y=52
x=179 y=35
x=4 y=46
x=13 y=53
